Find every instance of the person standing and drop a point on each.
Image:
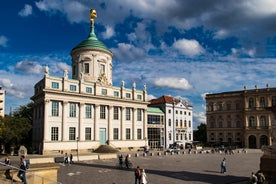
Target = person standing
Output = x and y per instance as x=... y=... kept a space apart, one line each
x=261 y=178
x=8 y=163
x=127 y=161
x=223 y=166
x=144 y=178
x=253 y=178
x=66 y=158
x=71 y=158
x=22 y=172
x=137 y=175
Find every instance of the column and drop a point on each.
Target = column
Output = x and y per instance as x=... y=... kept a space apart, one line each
x=64 y=116
x=46 y=115
x=96 y=117
x=109 y=126
x=257 y=121
x=134 y=131
x=269 y=124
x=80 y=127
x=145 y=128
x=122 y=115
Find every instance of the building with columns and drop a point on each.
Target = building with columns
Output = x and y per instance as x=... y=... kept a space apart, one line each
x=87 y=111
x=241 y=118
x=2 y=102
x=178 y=122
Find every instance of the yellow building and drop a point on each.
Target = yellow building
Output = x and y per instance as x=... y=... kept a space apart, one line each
x=241 y=118
x=87 y=111
x=2 y=102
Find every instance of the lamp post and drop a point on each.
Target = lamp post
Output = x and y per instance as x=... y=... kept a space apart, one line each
x=173 y=123
x=77 y=148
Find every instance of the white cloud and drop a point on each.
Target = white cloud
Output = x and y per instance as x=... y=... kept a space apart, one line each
x=221 y=34
x=12 y=89
x=26 y=11
x=200 y=117
x=150 y=97
x=203 y=95
x=3 y=41
x=109 y=32
x=29 y=67
x=174 y=83
x=189 y=48
x=127 y=52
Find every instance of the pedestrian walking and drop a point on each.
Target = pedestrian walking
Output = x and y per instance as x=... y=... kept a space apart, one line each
x=127 y=161
x=8 y=163
x=137 y=174
x=22 y=172
x=66 y=158
x=144 y=178
x=223 y=166
x=71 y=158
x=260 y=177
x=253 y=178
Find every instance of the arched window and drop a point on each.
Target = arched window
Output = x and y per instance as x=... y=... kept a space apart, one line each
x=262 y=102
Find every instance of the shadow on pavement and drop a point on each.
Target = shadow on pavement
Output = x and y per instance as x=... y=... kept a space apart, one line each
x=217 y=178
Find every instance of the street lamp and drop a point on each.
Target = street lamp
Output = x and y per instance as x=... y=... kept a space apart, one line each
x=173 y=122
x=77 y=148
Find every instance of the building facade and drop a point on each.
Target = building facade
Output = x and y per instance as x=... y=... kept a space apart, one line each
x=87 y=111
x=241 y=118
x=178 y=119
x=156 y=117
x=2 y=102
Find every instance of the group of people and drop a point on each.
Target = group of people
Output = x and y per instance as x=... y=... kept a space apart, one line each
x=121 y=162
x=257 y=178
x=66 y=157
x=140 y=176
x=23 y=166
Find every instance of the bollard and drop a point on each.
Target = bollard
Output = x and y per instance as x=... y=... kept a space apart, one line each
x=159 y=153
x=151 y=154
x=144 y=154
x=136 y=154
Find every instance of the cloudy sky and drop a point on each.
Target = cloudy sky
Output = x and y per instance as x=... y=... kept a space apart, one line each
x=182 y=48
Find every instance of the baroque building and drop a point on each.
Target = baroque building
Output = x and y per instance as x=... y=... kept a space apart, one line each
x=87 y=111
x=178 y=119
x=2 y=102
x=241 y=118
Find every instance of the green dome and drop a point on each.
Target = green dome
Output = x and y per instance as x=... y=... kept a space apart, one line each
x=93 y=43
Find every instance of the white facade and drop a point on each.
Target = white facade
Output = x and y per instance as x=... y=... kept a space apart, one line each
x=84 y=112
x=178 y=119
x=2 y=102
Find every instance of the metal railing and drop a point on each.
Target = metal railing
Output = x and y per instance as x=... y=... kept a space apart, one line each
x=31 y=177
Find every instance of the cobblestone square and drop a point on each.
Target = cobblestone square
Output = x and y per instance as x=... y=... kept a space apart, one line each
x=171 y=169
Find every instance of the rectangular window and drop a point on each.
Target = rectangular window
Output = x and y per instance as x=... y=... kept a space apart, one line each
x=72 y=133
x=87 y=134
x=116 y=113
x=102 y=68
x=72 y=110
x=228 y=124
x=115 y=133
x=88 y=90
x=104 y=92
x=139 y=114
x=128 y=95
x=170 y=136
x=54 y=134
x=55 y=108
x=86 y=67
x=139 y=133
x=102 y=112
x=55 y=85
x=88 y=111
x=273 y=101
x=128 y=133
x=139 y=97
x=128 y=113
x=73 y=88
x=116 y=93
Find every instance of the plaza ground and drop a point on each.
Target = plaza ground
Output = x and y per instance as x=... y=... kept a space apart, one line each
x=166 y=169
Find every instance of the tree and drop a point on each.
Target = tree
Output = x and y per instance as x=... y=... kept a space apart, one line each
x=201 y=133
x=16 y=130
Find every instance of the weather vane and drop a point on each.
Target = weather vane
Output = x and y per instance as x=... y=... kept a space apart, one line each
x=93 y=15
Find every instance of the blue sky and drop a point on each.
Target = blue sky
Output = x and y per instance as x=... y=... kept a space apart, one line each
x=182 y=48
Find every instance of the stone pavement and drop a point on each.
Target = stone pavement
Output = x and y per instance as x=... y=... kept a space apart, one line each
x=166 y=169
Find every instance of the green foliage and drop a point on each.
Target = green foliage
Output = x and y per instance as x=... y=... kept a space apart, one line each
x=201 y=133
x=16 y=130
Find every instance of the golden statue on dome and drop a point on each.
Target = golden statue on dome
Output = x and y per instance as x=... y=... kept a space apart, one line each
x=93 y=15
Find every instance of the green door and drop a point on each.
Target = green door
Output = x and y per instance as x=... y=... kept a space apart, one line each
x=102 y=136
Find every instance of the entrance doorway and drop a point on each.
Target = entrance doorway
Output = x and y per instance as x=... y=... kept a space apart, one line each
x=252 y=141
x=102 y=136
